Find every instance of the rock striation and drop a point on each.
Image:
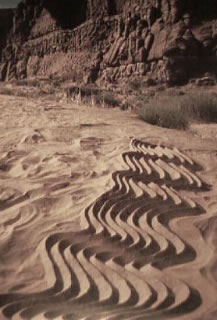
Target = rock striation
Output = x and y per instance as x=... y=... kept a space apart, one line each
x=169 y=41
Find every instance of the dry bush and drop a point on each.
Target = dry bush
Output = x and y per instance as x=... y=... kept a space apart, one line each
x=27 y=83
x=7 y=91
x=92 y=96
x=135 y=85
x=22 y=88
x=107 y=99
x=200 y=106
x=165 y=113
x=176 y=111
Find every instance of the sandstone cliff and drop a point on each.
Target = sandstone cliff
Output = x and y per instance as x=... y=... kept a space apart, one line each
x=162 y=40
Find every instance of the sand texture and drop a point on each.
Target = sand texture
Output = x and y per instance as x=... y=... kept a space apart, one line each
x=103 y=216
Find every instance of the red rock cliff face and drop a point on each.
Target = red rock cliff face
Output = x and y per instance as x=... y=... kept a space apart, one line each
x=163 y=40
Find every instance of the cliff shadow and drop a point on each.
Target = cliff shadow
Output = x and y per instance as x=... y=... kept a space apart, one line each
x=67 y=13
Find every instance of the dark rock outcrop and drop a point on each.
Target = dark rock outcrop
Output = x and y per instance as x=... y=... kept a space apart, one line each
x=6 y=21
x=6 y=18
x=107 y=40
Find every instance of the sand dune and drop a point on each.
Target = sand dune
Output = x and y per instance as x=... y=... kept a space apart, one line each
x=95 y=224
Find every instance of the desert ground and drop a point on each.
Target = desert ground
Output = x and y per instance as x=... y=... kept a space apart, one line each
x=103 y=216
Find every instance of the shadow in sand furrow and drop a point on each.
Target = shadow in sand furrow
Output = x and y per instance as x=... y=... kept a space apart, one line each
x=6 y=205
x=192 y=302
x=165 y=208
x=102 y=271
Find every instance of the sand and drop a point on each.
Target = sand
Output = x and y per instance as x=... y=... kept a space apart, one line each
x=103 y=216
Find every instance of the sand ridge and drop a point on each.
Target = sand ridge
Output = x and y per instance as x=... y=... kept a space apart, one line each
x=98 y=225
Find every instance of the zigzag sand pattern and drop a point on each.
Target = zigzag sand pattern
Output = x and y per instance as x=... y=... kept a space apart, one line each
x=113 y=268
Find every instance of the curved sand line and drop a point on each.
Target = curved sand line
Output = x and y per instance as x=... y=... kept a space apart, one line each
x=114 y=267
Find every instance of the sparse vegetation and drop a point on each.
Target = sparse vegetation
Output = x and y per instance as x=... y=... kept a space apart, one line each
x=169 y=108
x=29 y=89
x=27 y=83
x=177 y=111
x=135 y=85
x=165 y=113
x=201 y=106
x=108 y=99
x=93 y=96
x=6 y=91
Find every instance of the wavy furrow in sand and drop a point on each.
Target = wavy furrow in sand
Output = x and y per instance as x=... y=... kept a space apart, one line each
x=114 y=267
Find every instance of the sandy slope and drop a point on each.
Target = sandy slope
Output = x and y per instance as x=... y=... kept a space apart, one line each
x=103 y=216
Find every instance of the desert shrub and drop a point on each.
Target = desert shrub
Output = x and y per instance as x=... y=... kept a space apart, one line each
x=27 y=83
x=135 y=85
x=110 y=100
x=104 y=98
x=13 y=92
x=74 y=75
x=165 y=113
x=7 y=91
x=143 y=98
x=83 y=91
x=176 y=111
x=92 y=96
x=201 y=106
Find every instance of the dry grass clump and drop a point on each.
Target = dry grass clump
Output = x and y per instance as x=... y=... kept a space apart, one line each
x=165 y=112
x=176 y=111
x=107 y=99
x=135 y=85
x=6 y=91
x=29 y=89
x=202 y=106
x=36 y=88
x=27 y=83
x=93 y=96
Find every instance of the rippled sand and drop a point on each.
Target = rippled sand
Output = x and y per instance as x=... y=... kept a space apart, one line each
x=103 y=216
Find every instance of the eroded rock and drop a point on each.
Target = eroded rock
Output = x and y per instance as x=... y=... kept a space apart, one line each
x=161 y=40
